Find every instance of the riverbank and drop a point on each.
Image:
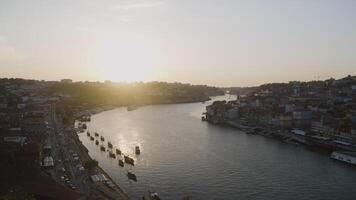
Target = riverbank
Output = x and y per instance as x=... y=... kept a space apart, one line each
x=286 y=135
x=282 y=135
x=99 y=109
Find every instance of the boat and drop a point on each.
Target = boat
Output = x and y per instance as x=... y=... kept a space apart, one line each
x=121 y=163
x=91 y=138
x=97 y=142
x=112 y=155
x=88 y=133
x=131 y=176
x=84 y=126
x=102 y=148
x=118 y=151
x=151 y=196
x=102 y=138
x=137 y=150
x=110 y=145
x=129 y=160
x=96 y=134
x=344 y=156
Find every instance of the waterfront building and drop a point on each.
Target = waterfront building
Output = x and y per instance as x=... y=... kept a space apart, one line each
x=233 y=113
x=286 y=120
x=302 y=118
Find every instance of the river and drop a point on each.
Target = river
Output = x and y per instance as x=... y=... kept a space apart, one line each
x=181 y=155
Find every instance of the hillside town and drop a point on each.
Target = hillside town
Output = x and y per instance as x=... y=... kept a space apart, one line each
x=39 y=142
x=315 y=113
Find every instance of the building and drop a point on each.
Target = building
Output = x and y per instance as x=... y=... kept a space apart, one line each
x=302 y=118
x=233 y=113
x=286 y=120
x=48 y=162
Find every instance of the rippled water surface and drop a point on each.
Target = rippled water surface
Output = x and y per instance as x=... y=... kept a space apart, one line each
x=181 y=155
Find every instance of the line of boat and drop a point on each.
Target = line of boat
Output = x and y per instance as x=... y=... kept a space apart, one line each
x=121 y=162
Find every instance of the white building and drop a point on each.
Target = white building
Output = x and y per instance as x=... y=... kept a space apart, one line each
x=48 y=162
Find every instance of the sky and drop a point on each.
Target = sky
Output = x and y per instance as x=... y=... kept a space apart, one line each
x=214 y=42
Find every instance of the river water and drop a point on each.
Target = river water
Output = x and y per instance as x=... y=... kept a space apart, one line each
x=181 y=156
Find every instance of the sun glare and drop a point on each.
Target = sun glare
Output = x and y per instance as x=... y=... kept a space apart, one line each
x=129 y=60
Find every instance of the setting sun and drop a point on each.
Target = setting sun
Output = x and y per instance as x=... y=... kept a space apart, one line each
x=124 y=60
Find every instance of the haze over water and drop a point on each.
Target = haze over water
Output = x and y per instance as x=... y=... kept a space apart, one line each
x=181 y=155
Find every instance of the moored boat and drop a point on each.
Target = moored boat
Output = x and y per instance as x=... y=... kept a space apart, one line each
x=102 y=148
x=121 y=163
x=110 y=145
x=129 y=160
x=102 y=138
x=112 y=155
x=137 y=150
x=97 y=142
x=88 y=133
x=91 y=138
x=344 y=156
x=131 y=176
x=96 y=134
x=151 y=196
x=118 y=151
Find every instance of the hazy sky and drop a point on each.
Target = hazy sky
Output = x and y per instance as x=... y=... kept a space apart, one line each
x=215 y=42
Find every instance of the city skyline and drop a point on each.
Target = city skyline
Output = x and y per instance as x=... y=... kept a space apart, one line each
x=219 y=43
